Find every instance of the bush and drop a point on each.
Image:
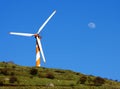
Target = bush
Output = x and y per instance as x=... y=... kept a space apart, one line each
x=13 y=66
x=1 y=82
x=0 y=71
x=98 y=81
x=12 y=73
x=50 y=76
x=72 y=84
x=33 y=71
x=59 y=71
x=5 y=71
x=13 y=79
x=82 y=80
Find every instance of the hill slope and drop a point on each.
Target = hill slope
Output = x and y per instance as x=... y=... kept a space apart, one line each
x=13 y=76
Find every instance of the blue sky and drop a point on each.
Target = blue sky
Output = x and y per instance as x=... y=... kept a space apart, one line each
x=68 y=42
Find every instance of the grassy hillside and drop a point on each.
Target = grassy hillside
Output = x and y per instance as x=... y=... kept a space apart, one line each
x=13 y=76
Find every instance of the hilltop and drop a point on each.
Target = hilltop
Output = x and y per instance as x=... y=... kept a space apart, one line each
x=14 y=76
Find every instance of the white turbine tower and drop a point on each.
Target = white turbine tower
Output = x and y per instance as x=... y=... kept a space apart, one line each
x=38 y=42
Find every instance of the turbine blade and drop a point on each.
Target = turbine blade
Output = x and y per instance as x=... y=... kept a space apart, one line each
x=40 y=46
x=46 y=22
x=21 y=34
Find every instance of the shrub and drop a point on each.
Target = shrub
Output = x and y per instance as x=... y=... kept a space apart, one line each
x=1 y=82
x=13 y=66
x=59 y=71
x=5 y=71
x=50 y=76
x=0 y=71
x=13 y=79
x=33 y=71
x=98 y=81
x=72 y=84
x=12 y=73
x=82 y=80
x=77 y=73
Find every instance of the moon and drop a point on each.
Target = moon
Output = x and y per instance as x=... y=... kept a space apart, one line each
x=91 y=25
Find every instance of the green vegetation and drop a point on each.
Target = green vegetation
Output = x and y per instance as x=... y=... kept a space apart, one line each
x=13 y=76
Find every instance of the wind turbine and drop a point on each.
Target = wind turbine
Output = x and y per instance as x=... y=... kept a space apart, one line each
x=38 y=42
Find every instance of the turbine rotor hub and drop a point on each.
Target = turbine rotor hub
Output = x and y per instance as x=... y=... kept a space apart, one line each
x=37 y=35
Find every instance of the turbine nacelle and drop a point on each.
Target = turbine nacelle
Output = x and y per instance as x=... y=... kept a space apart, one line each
x=37 y=35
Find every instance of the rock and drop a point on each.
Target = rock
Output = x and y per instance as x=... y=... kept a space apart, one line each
x=6 y=79
x=50 y=85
